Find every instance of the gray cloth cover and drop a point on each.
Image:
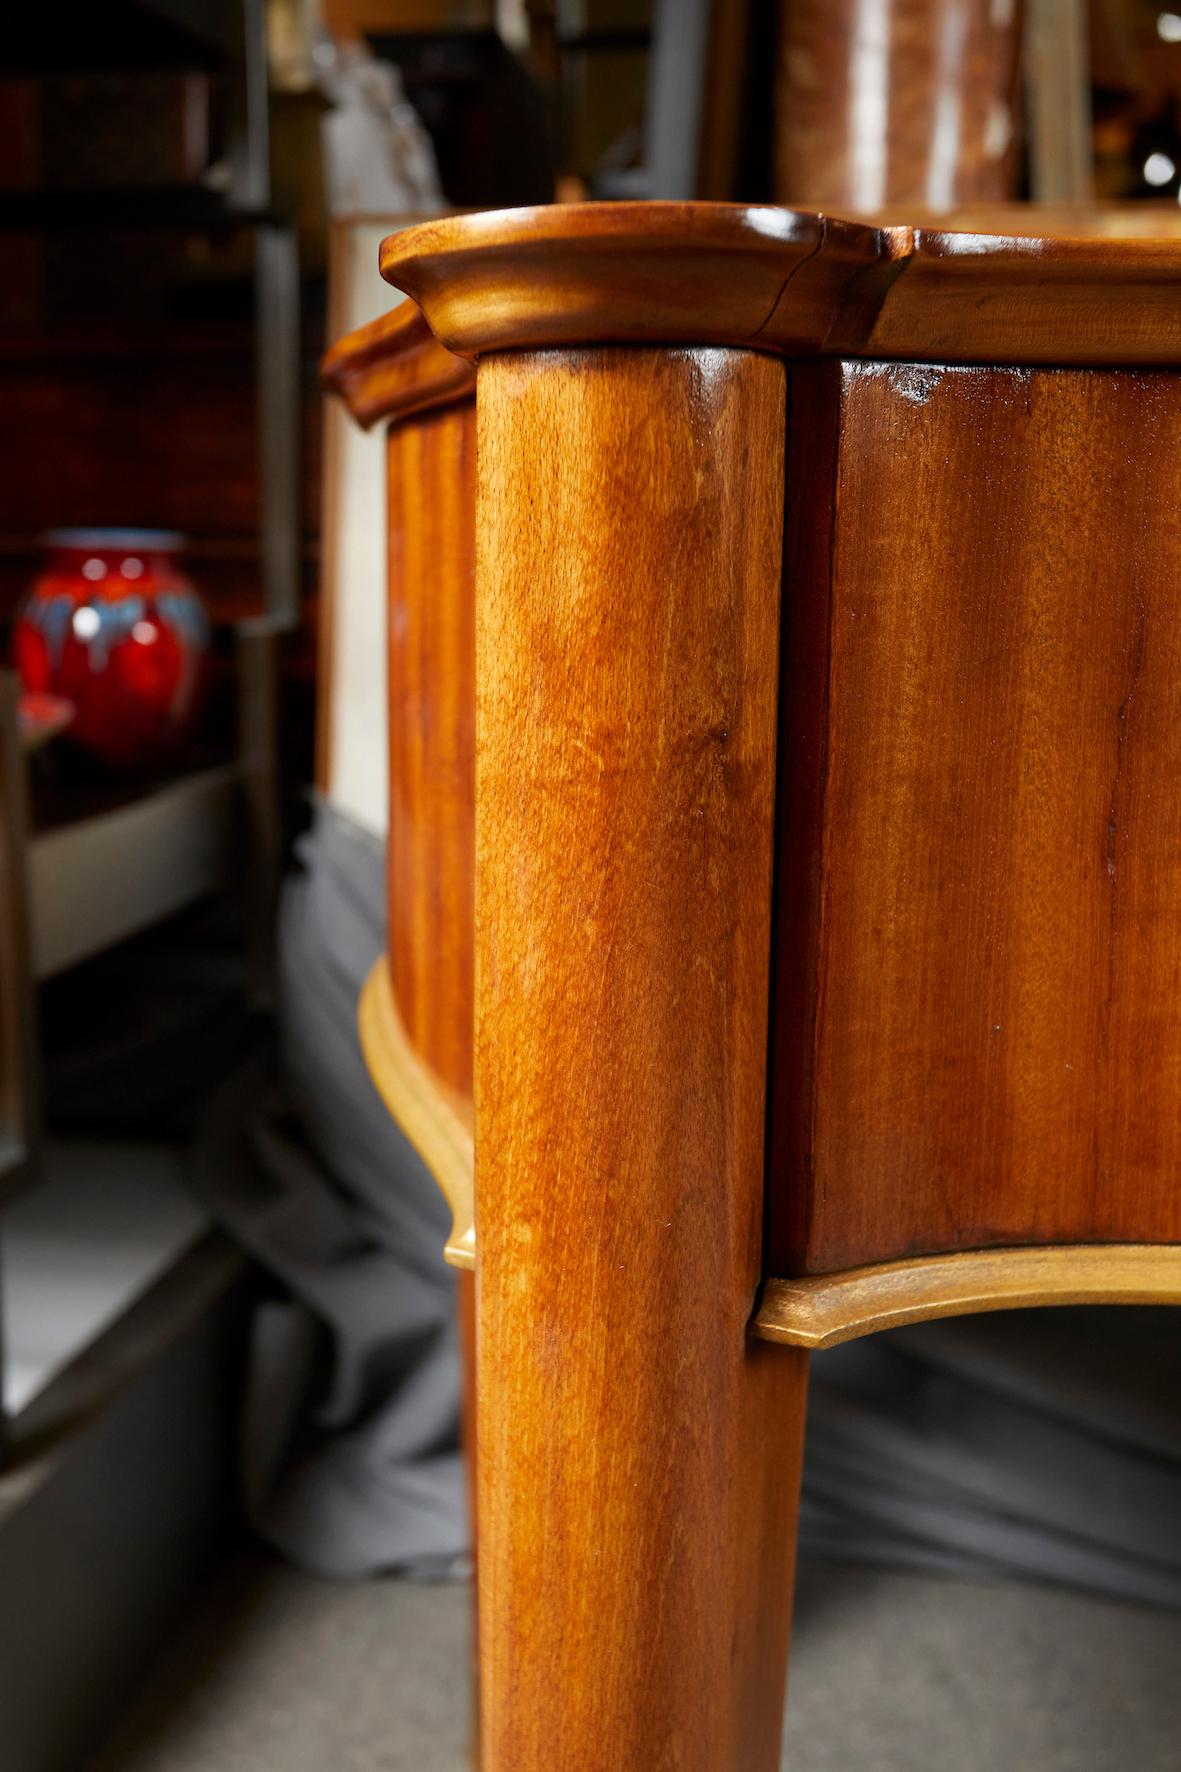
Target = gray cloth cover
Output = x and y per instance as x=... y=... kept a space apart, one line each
x=1038 y=1443
x=1044 y=1444
x=352 y=1434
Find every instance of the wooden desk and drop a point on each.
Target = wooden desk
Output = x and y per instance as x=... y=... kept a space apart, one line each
x=827 y=871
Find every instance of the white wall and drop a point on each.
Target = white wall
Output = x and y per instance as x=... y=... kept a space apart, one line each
x=355 y=574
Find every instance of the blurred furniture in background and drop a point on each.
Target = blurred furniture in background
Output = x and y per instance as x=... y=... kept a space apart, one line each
x=913 y=101
x=932 y=102
x=150 y=356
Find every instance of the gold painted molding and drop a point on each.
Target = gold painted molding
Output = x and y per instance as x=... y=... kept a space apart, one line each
x=826 y=1309
x=437 y=1122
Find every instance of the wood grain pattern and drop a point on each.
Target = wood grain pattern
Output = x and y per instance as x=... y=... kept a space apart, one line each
x=827 y=1309
x=978 y=1026
x=977 y=297
x=436 y=1120
x=638 y=1454
x=792 y=282
x=657 y=273
x=913 y=100
x=430 y=863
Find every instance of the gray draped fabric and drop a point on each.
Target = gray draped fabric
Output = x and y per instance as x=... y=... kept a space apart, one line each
x=1044 y=1444
x=353 y=1461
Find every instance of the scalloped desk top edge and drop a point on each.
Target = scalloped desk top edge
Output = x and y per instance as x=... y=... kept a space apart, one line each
x=791 y=282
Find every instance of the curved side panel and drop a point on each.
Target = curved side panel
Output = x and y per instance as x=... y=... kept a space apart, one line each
x=827 y=1309
x=436 y=1120
x=432 y=703
x=791 y=282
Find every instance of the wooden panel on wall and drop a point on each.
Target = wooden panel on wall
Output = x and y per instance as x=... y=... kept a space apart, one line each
x=978 y=1037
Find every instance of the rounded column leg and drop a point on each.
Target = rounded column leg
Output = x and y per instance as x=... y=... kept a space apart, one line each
x=638 y=1453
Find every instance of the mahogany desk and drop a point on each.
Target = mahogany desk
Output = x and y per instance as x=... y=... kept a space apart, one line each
x=791 y=686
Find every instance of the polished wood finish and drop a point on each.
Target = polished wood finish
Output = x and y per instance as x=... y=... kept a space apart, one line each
x=107 y=418
x=827 y=1309
x=650 y=273
x=793 y=283
x=973 y=297
x=436 y=1120
x=431 y=734
x=978 y=1029
x=639 y=1456
x=956 y=1056
x=395 y=367
x=904 y=100
x=394 y=371
x=1059 y=74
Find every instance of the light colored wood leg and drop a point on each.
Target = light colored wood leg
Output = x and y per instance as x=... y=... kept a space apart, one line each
x=638 y=1453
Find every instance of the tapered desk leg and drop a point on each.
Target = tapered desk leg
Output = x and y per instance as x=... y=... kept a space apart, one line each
x=638 y=1454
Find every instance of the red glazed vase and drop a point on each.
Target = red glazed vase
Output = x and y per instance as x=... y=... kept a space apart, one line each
x=114 y=627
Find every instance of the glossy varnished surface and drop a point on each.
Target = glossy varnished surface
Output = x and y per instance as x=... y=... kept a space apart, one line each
x=1008 y=299
x=788 y=281
x=431 y=734
x=612 y=272
x=393 y=367
x=641 y=272
x=638 y=1454
x=978 y=1036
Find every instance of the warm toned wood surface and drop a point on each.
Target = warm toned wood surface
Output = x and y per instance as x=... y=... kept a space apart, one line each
x=1136 y=219
x=430 y=861
x=394 y=367
x=786 y=281
x=978 y=1036
x=638 y=1453
x=436 y=1120
x=825 y=1309
x=904 y=100
x=658 y=273
x=989 y=298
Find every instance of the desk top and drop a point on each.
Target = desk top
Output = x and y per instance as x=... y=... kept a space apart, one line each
x=792 y=283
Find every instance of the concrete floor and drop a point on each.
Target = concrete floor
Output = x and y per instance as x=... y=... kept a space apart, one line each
x=278 y=1672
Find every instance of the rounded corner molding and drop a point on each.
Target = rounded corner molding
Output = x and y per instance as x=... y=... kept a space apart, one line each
x=394 y=367
x=823 y=1310
x=438 y=1124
